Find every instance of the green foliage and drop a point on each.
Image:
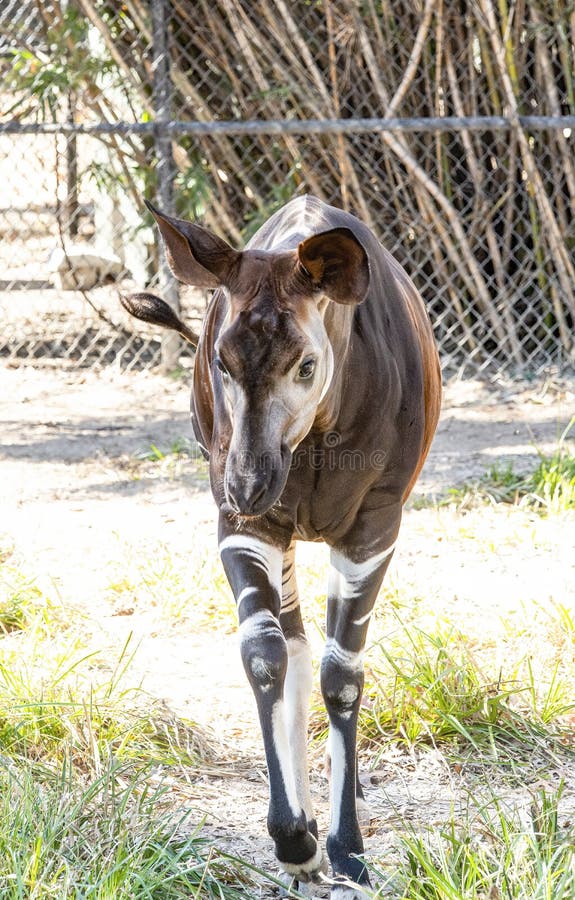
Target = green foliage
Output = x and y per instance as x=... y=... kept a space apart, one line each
x=58 y=697
x=172 y=587
x=279 y=194
x=180 y=447
x=404 y=185
x=181 y=459
x=113 y=836
x=86 y=808
x=498 y=852
x=553 y=482
x=430 y=689
x=548 y=489
x=62 y=704
x=20 y=600
x=48 y=80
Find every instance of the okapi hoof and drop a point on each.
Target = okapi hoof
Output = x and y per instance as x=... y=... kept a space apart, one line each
x=348 y=891
x=291 y=885
x=312 y=870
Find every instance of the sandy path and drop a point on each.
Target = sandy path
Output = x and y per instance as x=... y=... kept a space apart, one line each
x=73 y=496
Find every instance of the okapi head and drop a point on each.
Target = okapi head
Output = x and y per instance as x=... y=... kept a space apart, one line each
x=272 y=361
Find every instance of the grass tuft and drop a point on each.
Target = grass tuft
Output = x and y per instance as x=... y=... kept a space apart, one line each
x=21 y=600
x=59 y=698
x=548 y=489
x=500 y=851
x=426 y=689
x=173 y=588
x=181 y=457
x=111 y=837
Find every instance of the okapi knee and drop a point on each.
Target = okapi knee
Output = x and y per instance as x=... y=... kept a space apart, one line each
x=264 y=652
x=341 y=686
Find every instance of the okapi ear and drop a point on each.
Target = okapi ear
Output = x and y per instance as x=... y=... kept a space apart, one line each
x=337 y=264
x=196 y=256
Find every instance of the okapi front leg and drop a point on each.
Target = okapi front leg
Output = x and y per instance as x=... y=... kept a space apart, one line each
x=298 y=683
x=353 y=588
x=254 y=570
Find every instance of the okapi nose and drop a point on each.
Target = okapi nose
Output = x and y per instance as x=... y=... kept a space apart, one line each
x=244 y=497
x=253 y=481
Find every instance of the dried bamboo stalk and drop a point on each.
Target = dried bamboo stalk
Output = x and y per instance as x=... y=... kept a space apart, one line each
x=303 y=48
x=415 y=55
x=485 y=219
x=471 y=273
x=343 y=168
x=563 y=263
x=550 y=87
x=95 y=18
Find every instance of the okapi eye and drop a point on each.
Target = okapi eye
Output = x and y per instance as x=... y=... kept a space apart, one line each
x=222 y=369
x=306 y=369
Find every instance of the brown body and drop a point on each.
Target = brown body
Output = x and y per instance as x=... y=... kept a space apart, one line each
x=316 y=394
x=379 y=419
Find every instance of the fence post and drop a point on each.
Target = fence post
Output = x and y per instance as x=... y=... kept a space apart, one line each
x=71 y=202
x=165 y=169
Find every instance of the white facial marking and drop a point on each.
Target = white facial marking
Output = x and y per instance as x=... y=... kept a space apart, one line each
x=329 y=371
x=338 y=767
x=298 y=399
x=281 y=747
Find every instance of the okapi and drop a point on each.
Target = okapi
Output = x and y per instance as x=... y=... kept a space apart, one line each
x=316 y=394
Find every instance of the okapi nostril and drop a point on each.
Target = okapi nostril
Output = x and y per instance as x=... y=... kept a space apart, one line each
x=230 y=497
x=244 y=502
x=255 y=497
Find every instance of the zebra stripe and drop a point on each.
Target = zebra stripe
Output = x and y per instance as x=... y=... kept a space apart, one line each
x=349 y=659
x=265 y=556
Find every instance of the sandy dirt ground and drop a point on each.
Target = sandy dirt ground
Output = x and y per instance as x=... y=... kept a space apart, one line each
x=75 y=495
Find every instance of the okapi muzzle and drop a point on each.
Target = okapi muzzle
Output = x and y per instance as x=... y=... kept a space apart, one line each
x=258 y=459
x=254 y=481
x=315 y=340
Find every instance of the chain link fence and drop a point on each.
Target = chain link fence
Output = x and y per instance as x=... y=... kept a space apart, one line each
x=448 y=128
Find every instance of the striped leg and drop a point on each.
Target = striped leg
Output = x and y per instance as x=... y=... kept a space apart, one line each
x=254 y=570
x=353 y=588
x=298 y=683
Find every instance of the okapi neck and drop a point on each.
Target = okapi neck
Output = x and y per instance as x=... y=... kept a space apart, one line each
x=338 y=320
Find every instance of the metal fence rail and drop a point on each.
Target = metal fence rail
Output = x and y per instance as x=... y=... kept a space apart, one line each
x=451 y=132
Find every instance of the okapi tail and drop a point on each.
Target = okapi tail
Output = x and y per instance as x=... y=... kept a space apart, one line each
x=152 y=309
